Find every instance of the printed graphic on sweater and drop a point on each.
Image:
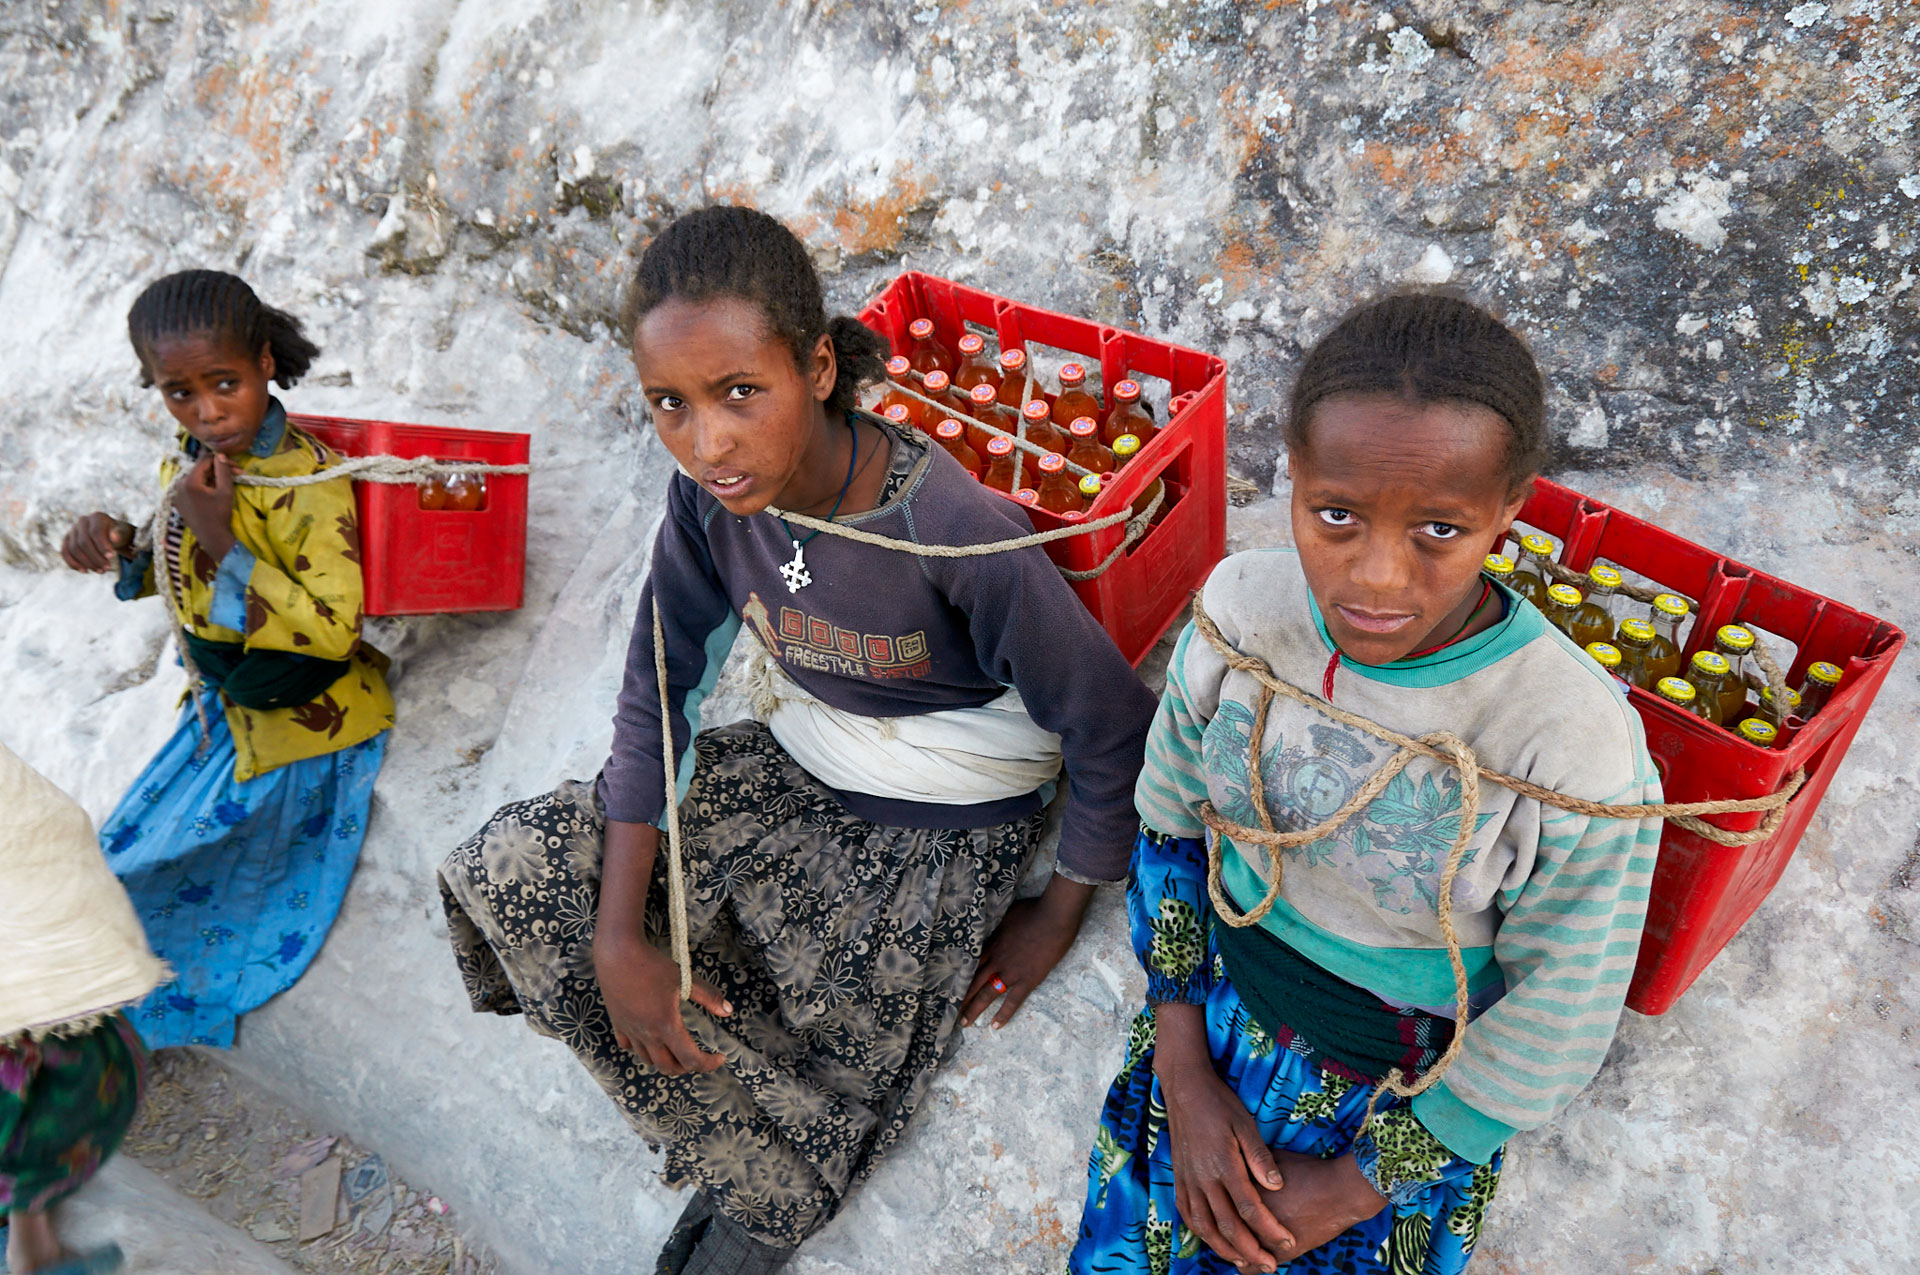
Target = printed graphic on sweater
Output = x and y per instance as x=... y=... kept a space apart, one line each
x=806 y=641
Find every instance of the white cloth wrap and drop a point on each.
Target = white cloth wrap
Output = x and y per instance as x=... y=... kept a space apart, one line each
x=71 y=948
x=953 y=757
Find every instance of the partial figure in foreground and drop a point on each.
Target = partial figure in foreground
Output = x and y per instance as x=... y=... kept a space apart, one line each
x=1233 y=1134
x=72 y=956
x=851 y=859
x=238 y=840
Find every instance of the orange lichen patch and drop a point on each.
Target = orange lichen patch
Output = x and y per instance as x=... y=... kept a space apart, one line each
x=258 y=105
x=875 y=225
x=1384 y=160
x=1543 y=68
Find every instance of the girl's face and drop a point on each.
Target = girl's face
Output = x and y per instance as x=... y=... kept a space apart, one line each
x=1395 y=507
x=731 y=405
x=214 y=388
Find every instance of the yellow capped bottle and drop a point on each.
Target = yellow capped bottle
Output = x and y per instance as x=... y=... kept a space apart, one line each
x=1669 y=609
x=1772 y=713
x=1759 y=732
x=1090 y=488
x=1606 y=655
x=1593 y=621
x=1708 y=673
x=1562 y=601
x=1500 y=567
x=1734 y=641
x=1531 y=578
x=1635 y=640
x=1679 y=692
x=1822 y=678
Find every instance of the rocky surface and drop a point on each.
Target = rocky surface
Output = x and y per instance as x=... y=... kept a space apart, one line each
x=1703 y=219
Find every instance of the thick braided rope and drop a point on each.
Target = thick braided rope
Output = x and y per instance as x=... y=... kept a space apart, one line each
x=676 y=876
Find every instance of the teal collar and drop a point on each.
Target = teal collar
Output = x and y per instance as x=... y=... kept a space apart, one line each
x=1520 y=625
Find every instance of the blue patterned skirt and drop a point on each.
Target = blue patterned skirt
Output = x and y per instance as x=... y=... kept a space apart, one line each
x=1130 y=1226
x=237 y=883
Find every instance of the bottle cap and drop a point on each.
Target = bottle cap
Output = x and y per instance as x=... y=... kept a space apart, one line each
x=898 y=366
x=1090 y=486
x=982 y=394
x=998 y=447
x=1793 y=697
x=1126 y=445
x=1498 y=564
x=1127 y=391
x=972 y=343
x=1013 y=360
x=1072 y=374
x=1051 y=463
x=1638 y=632
x=1027 y=496
x=920 y=329
x=1605 y=654
x=898 y=414
x=1537 y=544
x=1824 y=673
x=1037 y=410
x=1676 y=689
x=1756 y=731
x=935 y=381
x=1734 y=637
x=1671 y=604
x=1711 y=663
x=1605 y=576
x=1084 y=427
x=1565 y=594
x=948 y=430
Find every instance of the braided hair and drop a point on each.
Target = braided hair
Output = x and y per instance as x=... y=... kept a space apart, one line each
x=1426 y=348
x=215 y=303
x=746 y=255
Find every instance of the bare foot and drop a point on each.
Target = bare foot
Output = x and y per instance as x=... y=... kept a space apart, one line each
x=31 y=1243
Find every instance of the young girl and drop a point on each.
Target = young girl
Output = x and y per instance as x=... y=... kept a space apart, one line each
x=848 y=860
x=239 y=839
x=1231 y=1135
x=71 y=1068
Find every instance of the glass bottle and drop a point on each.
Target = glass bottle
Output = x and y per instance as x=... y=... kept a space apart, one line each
x=898 y=370
x=1593 y=621
x=1040 y=428
x=467 y=492
x=1125 y=448
x=1634 y=640
x=1013 y=379
x=1562 y=601
x=935 y=386
x=1500 y=567
x=1772 y=713
x=1058 y=492
x=1606 y=655
x=976 y=368
x=1127 y=416
x=1027 y=496
x=1669 y=609
x=1819 y=685
x=1679 y=692
x=999 y=472
x=927 y=354
x=1085 y=450
x=1074 y=399
x=1090 y=488
x=1759 y=732
x=982 y=406
x=434 y=493
x=952 y=435
x=1708 y=673
x=901 y=416
x=1734 y=641
x=1531 y=578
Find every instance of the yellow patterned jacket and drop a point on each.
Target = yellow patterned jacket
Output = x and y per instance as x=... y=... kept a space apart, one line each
x=303 y=594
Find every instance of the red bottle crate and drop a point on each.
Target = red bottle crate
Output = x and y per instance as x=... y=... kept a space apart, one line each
x=1142 y=593
x=1704 y=892
x=424 y=561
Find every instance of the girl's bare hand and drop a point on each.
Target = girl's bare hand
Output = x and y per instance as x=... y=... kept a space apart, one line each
x=97 y=542
x=641 y=985
x=204 y=497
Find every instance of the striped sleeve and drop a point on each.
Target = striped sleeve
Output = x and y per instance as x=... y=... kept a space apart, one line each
x=1566 y=946
x=1173 y=780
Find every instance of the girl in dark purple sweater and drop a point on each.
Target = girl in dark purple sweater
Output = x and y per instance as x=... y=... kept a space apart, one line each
x=852 y=859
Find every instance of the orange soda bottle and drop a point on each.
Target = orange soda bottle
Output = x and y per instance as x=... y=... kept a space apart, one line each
x=936 y=387
x=1027 y=496
x=1013 y=379
x=953 y=436
x=902 y=416
x=1074 y=401
x=1040 y=429
x=898 y=370
x=1059 y=494
x=467 y=492
x=982 y=406
x=999 y=472
x=1127 y=416
x=975 y=367
x=1085 y=450
x=927 y=354
x=433 y=492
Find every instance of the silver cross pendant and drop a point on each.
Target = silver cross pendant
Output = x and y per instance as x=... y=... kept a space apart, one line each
x=795 y=573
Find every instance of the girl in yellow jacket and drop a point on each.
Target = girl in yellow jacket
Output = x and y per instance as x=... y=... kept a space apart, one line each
x=239 y=839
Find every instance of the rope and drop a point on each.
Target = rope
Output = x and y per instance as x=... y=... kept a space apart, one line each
x=676 y=877
x=1439 y=746
x=1019 y=438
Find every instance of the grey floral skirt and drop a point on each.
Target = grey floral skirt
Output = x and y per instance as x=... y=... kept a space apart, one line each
x=844 y=946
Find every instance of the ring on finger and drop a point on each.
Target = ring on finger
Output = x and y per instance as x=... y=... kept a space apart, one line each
x=998 y=984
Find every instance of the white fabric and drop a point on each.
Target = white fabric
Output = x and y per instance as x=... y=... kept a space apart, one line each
x=71 y=947
x=954 y=757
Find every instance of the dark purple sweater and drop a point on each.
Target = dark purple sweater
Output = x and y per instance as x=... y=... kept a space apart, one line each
x=885 y=634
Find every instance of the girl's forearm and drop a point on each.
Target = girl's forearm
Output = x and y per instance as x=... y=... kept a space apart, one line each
x=626 y=869
x=1180 y=1042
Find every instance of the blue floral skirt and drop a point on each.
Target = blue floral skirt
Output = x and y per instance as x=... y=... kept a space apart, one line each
x=237 y=883
x=1130 y=1225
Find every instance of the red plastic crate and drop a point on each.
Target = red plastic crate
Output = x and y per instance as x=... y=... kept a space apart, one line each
x=425 y=561
x=1142 y=593
x=1704 y=892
